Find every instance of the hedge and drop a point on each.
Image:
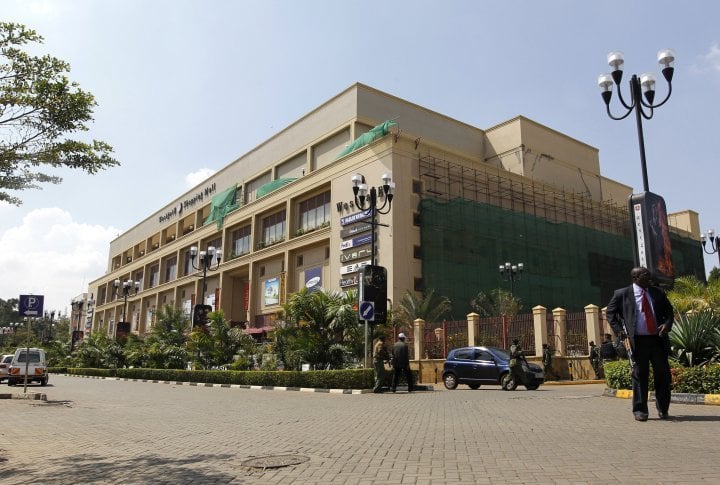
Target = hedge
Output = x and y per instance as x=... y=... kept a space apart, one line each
x=322 y=379
x=693 y=380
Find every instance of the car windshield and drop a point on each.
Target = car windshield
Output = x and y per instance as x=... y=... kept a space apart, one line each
x=34 y=357
x=501 y=353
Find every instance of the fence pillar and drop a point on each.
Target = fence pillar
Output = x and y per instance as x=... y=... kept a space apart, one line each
x=540 y=327
x=419 y=334
x=560 y=324
x=592 y=320
x=473 y=323
x=606 y=328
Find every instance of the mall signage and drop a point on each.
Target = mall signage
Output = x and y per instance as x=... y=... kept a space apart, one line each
x=188 y=203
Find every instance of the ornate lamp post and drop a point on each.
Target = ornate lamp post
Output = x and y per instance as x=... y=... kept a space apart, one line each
x=714 y=242
x=206 y=262
x=511 y=272
x=645 y=84
x=368 y=199
x=127 y=287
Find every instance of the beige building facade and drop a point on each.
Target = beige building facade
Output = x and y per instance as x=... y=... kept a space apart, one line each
x=296 y=223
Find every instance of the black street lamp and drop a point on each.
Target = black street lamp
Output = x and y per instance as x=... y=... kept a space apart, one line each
x=714 y=242
x=367 y=200
x=127 y=287
x=206 y=262
x=645 y=84
x=511 y=272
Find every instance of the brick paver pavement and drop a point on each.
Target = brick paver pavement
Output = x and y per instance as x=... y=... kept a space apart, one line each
x=111 y=431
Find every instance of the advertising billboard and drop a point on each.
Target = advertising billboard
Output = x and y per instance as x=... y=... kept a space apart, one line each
x=651 y=236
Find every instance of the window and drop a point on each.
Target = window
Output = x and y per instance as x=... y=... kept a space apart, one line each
x=171 y=269
x=417 y=187
x=465 y=354
x=418 y=284
x=417 y=252
x=273 y=228
x=154 y=276
x=314 y=212
x=240 y=242
x=188 y=263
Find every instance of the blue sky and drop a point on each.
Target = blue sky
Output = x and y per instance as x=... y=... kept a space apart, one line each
x=185 y=87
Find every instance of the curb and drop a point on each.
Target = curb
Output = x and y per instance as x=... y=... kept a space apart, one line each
x=419 y=387
x=675 y=397
x=30 y=396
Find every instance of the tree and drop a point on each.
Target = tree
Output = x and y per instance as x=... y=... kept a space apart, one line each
x=429 y=307
x=39 y=108
x=498 y=302
x=692 y=295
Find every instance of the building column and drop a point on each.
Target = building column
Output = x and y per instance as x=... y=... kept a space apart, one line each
x=560 y=323
x=418 y=333
x=540 y=326
x=592 y=320
x=473 y=325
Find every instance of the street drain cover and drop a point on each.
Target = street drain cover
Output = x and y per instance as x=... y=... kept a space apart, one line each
x=276 y=461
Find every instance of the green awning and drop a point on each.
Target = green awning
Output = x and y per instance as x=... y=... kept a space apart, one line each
x=366 y=138
x=221 y=205
x=265 y=189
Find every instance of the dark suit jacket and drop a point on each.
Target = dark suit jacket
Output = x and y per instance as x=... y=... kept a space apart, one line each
x=622 y=308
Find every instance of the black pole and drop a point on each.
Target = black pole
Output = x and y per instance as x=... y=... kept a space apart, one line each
x=373 y=202
x=637 y=103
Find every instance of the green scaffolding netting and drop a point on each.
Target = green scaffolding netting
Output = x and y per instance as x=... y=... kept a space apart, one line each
x=221 y=205
x=566 y=265
x=265 y=189
x=375 y=133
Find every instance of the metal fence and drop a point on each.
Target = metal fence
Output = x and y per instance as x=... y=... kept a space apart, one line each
x=576 y=340
x=441 y=338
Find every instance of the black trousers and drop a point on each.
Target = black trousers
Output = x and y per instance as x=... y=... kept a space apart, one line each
x=650 y=350
x=397 y=372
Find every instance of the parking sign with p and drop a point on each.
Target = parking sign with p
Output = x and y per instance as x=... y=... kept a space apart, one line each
x=31 y=305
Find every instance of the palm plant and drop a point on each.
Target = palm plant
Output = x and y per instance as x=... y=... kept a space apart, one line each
x=166 y=344
x=429 y=307
x=695 y=338
x=691 y=295
x=498 y=302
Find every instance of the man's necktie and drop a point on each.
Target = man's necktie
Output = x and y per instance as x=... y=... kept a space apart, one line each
x=647 y=312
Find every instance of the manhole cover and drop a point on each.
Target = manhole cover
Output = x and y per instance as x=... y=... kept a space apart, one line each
x=276 y=461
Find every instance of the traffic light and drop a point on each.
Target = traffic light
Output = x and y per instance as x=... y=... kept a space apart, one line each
x=200 y=315
x=373 y=288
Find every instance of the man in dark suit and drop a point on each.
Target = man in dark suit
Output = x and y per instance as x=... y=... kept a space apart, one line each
x=648 y=317
x=401 y=363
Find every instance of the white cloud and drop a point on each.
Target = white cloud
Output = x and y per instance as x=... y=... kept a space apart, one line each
x=50 y=254
x=194 y=178
x=712 y=58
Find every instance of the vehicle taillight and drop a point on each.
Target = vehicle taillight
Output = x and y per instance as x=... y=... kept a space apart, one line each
x=39 y=371
x=15 y=370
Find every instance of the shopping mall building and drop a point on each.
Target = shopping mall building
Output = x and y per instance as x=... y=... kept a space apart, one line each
x=283 y=217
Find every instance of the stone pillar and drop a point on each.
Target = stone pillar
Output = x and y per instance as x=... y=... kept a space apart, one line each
x=418 y=332
x=560 y=323
x=473 y=323
x=540 y=326
x=592 y=320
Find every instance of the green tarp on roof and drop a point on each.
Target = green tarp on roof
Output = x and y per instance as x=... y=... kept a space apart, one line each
x=272 y=186
x=221 y=204
x=366 y=138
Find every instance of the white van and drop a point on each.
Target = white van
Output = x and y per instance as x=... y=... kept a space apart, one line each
x=35 y=364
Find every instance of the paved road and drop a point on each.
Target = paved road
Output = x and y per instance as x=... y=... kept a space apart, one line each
x=109 y=431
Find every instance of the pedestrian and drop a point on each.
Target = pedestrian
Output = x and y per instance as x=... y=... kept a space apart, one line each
x=380 y=357
x=607 y=349
x=401 y=363
x=642 y=314
x=547 y=360
x=517 y=374
x=595 y=359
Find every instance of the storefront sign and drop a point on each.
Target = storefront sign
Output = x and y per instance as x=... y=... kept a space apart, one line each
x=355 y=229
x=187 y=203
x=349 y=281
x=348 y=256
x=356 y=241
x=353 y=268
x=358 y=216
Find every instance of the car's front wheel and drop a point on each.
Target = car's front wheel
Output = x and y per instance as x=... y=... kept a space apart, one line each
x=450 y=381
